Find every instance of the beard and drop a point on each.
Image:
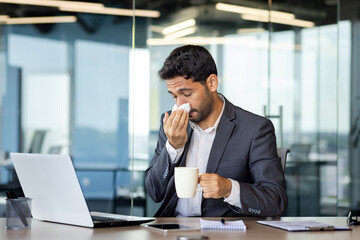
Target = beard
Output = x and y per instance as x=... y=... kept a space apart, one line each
x=205 y=108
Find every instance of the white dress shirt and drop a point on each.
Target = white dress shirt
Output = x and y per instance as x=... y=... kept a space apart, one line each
x=198 y=156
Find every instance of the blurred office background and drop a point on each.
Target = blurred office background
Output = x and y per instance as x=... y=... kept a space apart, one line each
x=85 y=83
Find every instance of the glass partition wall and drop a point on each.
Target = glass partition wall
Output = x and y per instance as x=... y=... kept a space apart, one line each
x=286 y=60
x=65 y=89
x=89 y=87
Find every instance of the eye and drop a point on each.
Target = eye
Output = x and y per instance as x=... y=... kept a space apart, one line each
x=174 y=97
x=187 y=95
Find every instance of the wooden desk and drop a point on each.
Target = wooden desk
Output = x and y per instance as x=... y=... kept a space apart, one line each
x=45 y=231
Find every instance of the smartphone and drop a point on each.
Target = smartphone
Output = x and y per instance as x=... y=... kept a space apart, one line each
x=169 y=227
x=194 y=237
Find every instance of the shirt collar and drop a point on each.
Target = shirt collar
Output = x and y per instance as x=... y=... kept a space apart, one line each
x=195 y=126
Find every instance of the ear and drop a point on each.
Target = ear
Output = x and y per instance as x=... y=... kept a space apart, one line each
x=212 y=82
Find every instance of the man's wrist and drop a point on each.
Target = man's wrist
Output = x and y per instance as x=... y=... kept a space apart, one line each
x=229 y=186
x=234 y=197
x=176 y=147
x=173 y=153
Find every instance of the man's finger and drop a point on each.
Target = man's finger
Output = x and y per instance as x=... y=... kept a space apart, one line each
x=206 y=177
x=171 y=118
x=184 y=121
x=177 y=118
x=165 y=119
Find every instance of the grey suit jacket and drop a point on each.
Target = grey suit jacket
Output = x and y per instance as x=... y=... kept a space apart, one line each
x=244 y=150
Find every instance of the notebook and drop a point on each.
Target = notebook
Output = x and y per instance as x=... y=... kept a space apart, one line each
x=51 y=181
x=222 y=224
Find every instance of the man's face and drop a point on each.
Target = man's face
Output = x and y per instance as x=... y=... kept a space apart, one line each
x=198 y=95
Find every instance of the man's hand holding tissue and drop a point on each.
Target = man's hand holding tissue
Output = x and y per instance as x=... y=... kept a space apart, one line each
x=175 y=127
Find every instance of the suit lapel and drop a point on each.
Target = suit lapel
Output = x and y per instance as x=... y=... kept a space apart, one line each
x=223 y=134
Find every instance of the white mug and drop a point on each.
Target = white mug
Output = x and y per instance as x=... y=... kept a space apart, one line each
x=186 y=181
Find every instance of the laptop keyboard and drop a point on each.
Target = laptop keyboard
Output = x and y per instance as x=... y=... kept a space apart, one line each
x=106 y=219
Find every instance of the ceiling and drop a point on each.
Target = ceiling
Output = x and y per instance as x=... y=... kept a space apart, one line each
x=168 y=7
x=320 y=11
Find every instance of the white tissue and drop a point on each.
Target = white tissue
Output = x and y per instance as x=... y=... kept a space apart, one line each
x=185 y=106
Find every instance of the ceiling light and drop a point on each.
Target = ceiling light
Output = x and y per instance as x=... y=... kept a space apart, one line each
x=112 y=11
x=293 y=22
x=86 y=7
x=253 y=11
x=181 y=41
x=40 y=20
x=260 y=15
x=250 y=30
x=3 y=18
x=246 y=42
x=179 y=26
x=181 y=33
x=52 y=3
x=203 y=41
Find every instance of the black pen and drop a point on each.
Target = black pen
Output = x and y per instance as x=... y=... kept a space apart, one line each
x=222 y=221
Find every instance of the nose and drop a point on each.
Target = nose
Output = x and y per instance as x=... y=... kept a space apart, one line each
x=180 y=101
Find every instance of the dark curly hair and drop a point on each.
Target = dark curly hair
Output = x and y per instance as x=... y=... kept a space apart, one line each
x=189 y=61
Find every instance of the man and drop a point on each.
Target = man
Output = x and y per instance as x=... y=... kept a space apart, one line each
x=234 y=150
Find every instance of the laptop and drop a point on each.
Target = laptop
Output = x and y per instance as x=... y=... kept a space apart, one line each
x=51 y=181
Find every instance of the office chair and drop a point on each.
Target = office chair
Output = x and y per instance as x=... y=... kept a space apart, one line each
x=300 y=151
x=13 y=184
x=282 y=153
x=37 y=141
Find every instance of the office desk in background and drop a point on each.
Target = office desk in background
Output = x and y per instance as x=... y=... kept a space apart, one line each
x=305 y=180
x=45 y=231
x=139 y=199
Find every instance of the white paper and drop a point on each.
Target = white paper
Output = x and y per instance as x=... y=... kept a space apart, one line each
x=294 y=226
